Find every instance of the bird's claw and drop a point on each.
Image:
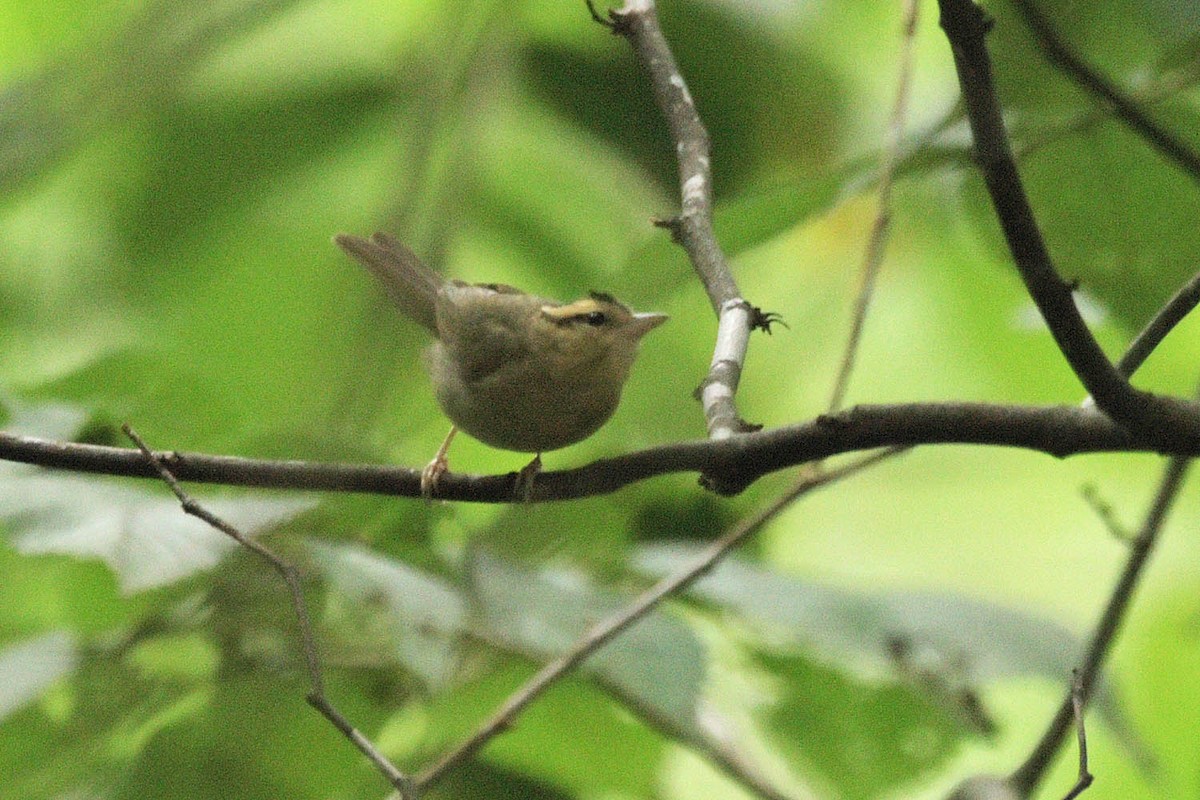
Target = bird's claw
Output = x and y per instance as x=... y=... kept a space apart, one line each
x=432 y=474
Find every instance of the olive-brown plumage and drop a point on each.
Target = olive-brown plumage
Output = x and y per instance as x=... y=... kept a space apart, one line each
x=515 y=371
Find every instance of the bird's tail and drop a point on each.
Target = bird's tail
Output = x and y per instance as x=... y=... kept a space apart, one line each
x=408 y=282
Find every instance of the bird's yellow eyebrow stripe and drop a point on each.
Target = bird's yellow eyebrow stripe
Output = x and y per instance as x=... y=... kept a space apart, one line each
x=584 y=306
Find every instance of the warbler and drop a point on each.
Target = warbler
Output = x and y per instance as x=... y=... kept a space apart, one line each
x=515 y=371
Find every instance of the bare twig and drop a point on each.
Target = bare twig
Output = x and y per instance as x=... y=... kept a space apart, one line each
x=873 y=258
x=608 y=629
x=637 y=21
x=1151 y=336
x=1077 y=705
x=1105 y=512
x=1029 y=774
x=1057 y=430
x=1026 y=777
x=1090 y=80
x=1153 y=416
x=316 y=696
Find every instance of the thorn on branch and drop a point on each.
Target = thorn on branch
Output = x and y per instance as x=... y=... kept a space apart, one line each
x=672 y=224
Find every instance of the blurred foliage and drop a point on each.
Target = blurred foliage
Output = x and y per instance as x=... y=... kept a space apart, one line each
x=171 y=173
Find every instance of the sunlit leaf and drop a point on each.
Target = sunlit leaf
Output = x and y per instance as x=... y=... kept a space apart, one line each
x=658 y=663
x=28 y=668
x=143 y=536
x=417 y=616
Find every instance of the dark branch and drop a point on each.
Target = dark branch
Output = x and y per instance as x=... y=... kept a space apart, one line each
x=1090 y=80
x=1150 y=337
x=1029 y=774
x=1158 y=418
x=736 y=462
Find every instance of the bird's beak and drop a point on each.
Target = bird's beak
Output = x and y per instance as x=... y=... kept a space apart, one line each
x=645 y=322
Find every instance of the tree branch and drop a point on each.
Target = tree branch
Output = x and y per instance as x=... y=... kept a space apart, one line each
x=1150 y=337
x=1160 y=419
x=1077 y=707
x=1090 y=80
x=608 y=629
x=877 y=241
x=637 y=21
x=316 y=695
x=1026 y=777
x=1055 y=430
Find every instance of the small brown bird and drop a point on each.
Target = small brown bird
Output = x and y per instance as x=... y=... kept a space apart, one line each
x=515 y=371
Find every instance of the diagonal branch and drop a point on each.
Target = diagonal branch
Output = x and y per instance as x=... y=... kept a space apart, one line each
x=1029 y=774
x=608 y=629
x=1160 y=419
x=316 y=695
x=877 y=242
x=1150 y=337
x=1090 y=80
x=637 y=21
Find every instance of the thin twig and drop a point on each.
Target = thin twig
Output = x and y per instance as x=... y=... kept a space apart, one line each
x=316 y=696
x=1030 y=773
x=1151 y=336
x=1153 y=416
x=876 y=243
x=637 y=21
x=1026 y=777
x=606 y=630
x=1090 y=80
x=1060 y=431
x=1104 y=512
x=1077 y=705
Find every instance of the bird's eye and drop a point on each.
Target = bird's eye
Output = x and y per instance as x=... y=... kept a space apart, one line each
x=595 y=318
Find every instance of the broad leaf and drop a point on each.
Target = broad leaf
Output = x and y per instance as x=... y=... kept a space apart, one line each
x=143 y=536
x=657 y=664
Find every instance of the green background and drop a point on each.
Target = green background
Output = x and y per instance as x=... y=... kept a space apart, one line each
x=171 y=175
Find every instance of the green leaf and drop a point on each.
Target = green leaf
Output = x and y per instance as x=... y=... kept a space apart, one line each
x=418 y=618
x=143 y=536
x=28 y=668
x=877 y=632
x=658 y=664
x=864 y=738
x=574 y=736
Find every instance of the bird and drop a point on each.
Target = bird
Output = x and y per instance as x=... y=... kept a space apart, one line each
x=515 y=371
